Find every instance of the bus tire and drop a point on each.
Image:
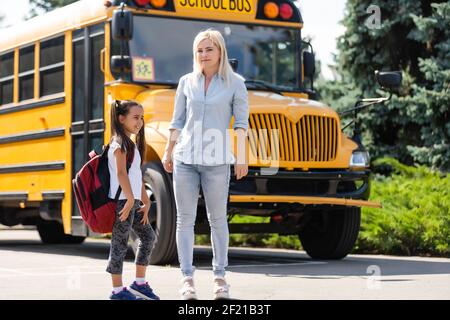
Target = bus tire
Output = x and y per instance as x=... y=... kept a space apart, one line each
x=331 y=234
x=52 y=232
x=69 y=239
x=162 y=214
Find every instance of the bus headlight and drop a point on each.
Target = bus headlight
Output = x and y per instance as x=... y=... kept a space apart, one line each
x=360 y=159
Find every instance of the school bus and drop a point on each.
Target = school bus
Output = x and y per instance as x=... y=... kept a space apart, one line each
x=59 y=73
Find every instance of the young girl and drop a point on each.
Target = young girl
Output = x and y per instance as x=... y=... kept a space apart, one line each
x=127 y=118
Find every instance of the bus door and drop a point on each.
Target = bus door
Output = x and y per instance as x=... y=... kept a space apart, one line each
x=88 y=125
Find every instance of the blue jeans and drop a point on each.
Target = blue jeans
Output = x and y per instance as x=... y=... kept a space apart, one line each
x=215 y=182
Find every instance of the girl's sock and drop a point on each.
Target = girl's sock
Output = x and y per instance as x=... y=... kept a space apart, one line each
x=118 y=289
x=140 y=281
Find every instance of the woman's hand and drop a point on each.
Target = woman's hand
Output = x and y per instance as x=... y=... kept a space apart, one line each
x=125 y=212
x=167 y=161
x=241 y=165
x=144 y=210
x=240 y=170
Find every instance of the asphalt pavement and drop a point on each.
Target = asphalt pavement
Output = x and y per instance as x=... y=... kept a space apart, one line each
x=32 y=270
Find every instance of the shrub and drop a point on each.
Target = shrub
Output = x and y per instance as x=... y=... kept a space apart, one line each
x=415 y=218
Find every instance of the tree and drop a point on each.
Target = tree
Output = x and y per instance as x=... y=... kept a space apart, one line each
x=46 y=5
x=413 y=36
x=2 y=21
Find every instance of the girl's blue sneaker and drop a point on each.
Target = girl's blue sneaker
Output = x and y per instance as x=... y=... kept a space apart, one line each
x=123 y=295
x=143 y=291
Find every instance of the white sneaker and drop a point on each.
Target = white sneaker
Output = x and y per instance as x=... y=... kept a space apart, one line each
x=187 y=291
x=221 y=289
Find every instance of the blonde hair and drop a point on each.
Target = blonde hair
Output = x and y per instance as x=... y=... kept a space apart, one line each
x=225 y=70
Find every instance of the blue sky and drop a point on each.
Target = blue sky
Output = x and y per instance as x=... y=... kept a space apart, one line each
x=321 y=22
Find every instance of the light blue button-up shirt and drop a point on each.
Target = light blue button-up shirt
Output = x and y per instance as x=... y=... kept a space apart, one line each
x=204 y=119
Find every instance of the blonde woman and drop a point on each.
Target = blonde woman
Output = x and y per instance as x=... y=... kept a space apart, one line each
x=198 y=153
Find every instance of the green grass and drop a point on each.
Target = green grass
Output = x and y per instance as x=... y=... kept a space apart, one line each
x=265 y=240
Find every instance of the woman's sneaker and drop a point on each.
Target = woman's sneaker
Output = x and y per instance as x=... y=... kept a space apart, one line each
x=187 y=290
x=221 y=289
x=143 y=291
x=123 y=295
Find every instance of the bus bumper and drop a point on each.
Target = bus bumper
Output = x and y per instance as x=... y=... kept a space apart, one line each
x=320 y=187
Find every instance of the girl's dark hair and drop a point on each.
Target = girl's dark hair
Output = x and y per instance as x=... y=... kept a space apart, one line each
x=122 y=107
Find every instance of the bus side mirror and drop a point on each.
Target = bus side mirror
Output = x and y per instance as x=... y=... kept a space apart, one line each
x=389 y=80
x=309 y=64
x=234 y=64
x=121 y=64
x=122 y=24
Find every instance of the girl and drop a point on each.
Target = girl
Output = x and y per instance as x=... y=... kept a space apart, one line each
x=127 y=118
x=205 y=101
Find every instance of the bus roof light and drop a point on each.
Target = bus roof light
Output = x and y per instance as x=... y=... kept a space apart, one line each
x=286 y=11
x=141 y=3
x=271 y=10
x=158 y=3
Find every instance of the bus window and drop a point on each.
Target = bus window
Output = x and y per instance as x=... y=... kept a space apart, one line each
x=52 y=66
x=6 y=77
x=26 y=73
x=97 y=39
x=78 y=76
x=264 y=52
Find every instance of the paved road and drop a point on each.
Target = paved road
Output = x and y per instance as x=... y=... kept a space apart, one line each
x=31 y=270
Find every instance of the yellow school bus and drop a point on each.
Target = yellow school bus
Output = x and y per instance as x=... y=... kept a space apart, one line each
x=59 y=73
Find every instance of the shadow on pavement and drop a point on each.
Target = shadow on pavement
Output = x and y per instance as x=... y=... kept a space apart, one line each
x=273 y=263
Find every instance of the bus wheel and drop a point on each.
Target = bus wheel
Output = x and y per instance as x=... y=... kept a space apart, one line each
x=331 y=234
x=52 y=232
x=69 y=239
x=162 y=214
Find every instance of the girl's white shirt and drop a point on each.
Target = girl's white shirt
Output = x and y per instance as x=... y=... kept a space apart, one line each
x=134 y=174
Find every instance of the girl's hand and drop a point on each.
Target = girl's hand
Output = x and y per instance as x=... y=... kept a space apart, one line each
x=241 y=170
x=167 y=161
x=145 y=218
x=144 y=210
x=125 y=212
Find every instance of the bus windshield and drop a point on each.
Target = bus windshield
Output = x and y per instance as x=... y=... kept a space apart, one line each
x=268 y=54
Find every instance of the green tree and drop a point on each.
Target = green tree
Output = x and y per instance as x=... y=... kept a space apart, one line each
x=413 y=36
x=38 y=6
x=48 y=5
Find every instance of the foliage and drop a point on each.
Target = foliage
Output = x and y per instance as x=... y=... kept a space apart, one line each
x=38 y=6
x=414 y=38
x=48 y=5
x=255 y=240
x=415 y=218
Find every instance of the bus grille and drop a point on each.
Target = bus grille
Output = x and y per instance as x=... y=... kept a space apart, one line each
x=275 y=137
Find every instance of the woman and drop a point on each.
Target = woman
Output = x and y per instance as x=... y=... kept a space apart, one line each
x=205 y=101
